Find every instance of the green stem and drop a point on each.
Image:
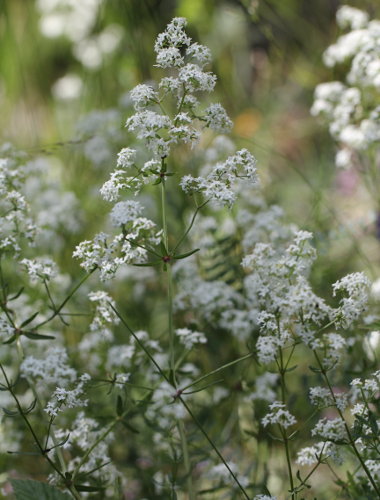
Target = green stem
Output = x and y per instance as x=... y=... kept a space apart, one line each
x=198 y=208
x=62 y=305
x=213 y=372
x=169 y=275
x=104 y=435
x=40 y=406
x=209 y=440
x=196 y=421
x=186 y=460
x=170 y=321
x=35 y=437
x=282 y=370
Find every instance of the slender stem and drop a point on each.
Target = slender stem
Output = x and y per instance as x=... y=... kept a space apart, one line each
x=186 y=460
x=213 y=372
x=285 y=438
x=199 y=207
x=168 y=274
x=170 y=321
x=62 y=305
x=196 y=421
x=172 y=365
x=105 y=434
x=163 y=211
x=349 y=435
x=3 y=303
x=199 y=425
x=58 y=450
x=35 y=437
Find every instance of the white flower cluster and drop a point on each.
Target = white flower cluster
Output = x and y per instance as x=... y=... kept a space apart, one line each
x=369 y=388
x=63 y=398
x=16 y=223
x=355 y=289
x=83 y=433
x=264 y=497
x=218 y=185
x=352 y=108
x=319 y=452
x=279 y=415
x=53 y=369
x=175 y=50
x=165 y=408
x=330 y=430
x=190 y=338
x=322 y=397
x=278 y=283
x=221 y=474
x=42 y=269
x=265 y=386
x=108 y=255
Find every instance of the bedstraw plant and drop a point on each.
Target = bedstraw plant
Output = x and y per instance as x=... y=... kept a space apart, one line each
x=251 y=386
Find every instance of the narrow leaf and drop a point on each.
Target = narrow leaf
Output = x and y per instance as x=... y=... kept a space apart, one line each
x=17 y=295
x=119 y=406
x=29 y=320
x=37 y=336
x=10 y=340
x=187 y=254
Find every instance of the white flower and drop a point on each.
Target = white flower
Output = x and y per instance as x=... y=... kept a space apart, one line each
x=265 y=387
x=264 y=497
x=189 y=337
x=52 y=369
x=126 y=158
x=142 y=95
x=330 y=430
x=40 y=269
x=196 y=80
x=125 y=212
x=355 y=290
x=349 y=17
x=200 y=53
x=343 y=158
x=278 y=415
x=217 y=118
x=311 y=455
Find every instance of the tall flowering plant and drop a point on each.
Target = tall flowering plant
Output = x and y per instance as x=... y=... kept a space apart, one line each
x=144 y=390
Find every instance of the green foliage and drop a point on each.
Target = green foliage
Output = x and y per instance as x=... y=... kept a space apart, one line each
x=27 y=489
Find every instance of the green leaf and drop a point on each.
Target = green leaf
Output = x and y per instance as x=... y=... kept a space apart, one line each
x=373 y=423
x=187 y=254
x=119 y=406
x=37 y=336
x=10 y=340
x=29 y=320
x=129 y=427
x=17 y=295
x=10 y=413
x=148 y=264
x=27 y=489
x=315 y=370
x=30 y=408
x=291 y=368
x=85 y=487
